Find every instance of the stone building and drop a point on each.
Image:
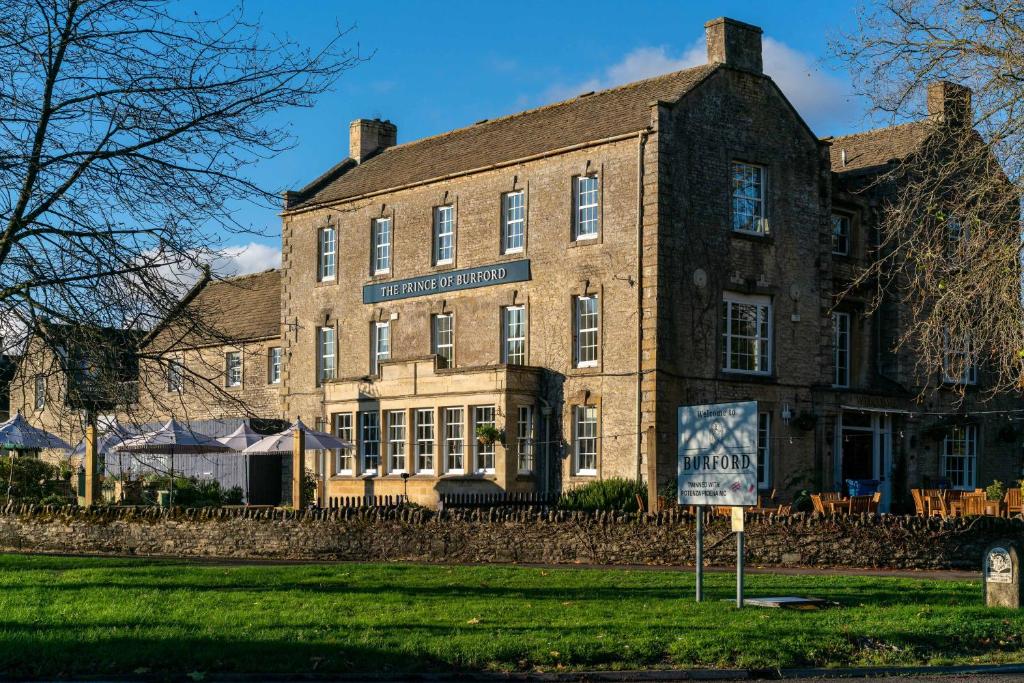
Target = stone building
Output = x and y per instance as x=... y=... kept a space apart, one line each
x=565 y=278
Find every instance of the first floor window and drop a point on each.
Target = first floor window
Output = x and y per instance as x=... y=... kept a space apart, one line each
x=233 y=368
x=748 y=198
x=840 y=234
x=369 y=441
x=175 y=376
x=585 y=216
x=514 y=334
x=40 y=392
x=327 y=251
x=444 y=339
x=381 y=243
x=746 y=334
x=396 y=441
x=585 y=436
x=586 y=331
x=764 y=449
x=444 y=235
x=343 y=430
x=524 y=439
x=841 y=349
x=326 y=346
x=513 y=216
x=454 y=443
x=960 y=456
x=381 y=346
x=425 y=441
x=957 y=365
x=483 y=418
x=274 y=365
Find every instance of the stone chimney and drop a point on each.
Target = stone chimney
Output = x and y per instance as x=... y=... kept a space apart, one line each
x=950 y=103
x=734 y=43
x=366 y=137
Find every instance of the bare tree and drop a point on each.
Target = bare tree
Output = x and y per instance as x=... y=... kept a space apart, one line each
x=127 y=132
x=948 y=246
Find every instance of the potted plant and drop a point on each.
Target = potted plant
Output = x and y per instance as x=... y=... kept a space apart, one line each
x=995 y=490
x=488 y=435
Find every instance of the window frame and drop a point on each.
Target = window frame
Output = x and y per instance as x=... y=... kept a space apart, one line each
x=275 y=365
x=764 y=450
x=841 y=372
x=323 y=263
x=422 y=441
x=436 y=248
x=578 y=207
x=507 y=222
x=730 y=299
x=435 y=338
x=322 y=373
x=525 y=440
x=761 y=219
x=848 y=237
x=39 y=392
x=579 y=439
x=398 y=435
x=228 y=367
x=969 y=456
x=175 y=376
x=376 y=356
x=368 y=427
x=346 y=432
x=380 y=251
x=450 y=439
x=480 y=450
x=578 y=331
x=507 y=338
x=969 y=376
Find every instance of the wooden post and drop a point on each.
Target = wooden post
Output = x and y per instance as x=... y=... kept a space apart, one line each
x=92 y=484
x=298 y=466
x=652 y=473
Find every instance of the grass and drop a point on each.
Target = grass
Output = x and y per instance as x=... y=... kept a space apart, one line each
x=61 y=616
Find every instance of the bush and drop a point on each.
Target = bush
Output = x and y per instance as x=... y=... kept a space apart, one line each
x=605 y=494
x=30 y=479
x=192 y=492
x=54 y=499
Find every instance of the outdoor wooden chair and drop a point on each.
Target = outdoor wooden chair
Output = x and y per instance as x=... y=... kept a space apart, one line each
x=1012 y=502
x=860 y=504
x=919 y=507
x=936 y=505
x=973 y=504
x=819 y=507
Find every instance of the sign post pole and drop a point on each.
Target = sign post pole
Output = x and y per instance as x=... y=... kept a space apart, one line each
x=699 y=569
x=739 y=569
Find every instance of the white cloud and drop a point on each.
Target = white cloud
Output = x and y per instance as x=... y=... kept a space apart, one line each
x=822 y=98
x=247 y=258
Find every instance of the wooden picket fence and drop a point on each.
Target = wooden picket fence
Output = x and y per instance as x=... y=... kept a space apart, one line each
x=494 y=500
x=338 y=502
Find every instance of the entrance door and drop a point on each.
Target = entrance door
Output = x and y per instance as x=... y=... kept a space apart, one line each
x=865 y=451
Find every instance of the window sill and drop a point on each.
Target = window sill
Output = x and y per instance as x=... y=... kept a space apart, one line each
x=763 y=237
x=585 y=241
x=740 y=376
x=326 y=283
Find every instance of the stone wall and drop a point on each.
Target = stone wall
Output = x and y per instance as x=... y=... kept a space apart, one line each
x=455 y=536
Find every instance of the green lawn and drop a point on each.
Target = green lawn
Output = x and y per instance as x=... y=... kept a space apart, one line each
x=65 y=616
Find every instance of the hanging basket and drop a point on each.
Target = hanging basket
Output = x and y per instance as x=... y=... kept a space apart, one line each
x=488 y=435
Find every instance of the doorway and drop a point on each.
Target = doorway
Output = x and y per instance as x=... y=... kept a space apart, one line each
x=864 y=445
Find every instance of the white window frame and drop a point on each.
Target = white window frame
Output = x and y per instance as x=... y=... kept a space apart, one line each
x=274 y=364
x=961 y=444
x=326 y=350
x=454 y=440
x=525 y=439
x=39 y=399
x=230 y=367
x=840 y=350
x=398 y=458
x=764 y=450
x=344 y=458
x=513 y=344
x=379 y=353
x=481 y=451
x=582 y=426
x=369 y=441
x=513 y=222
x=968 y=376
x=444 y=235
x=758 y=215
x=443 y=337
x=327 y=250
x=841 y=239
x=583 y=334
x=380 y=244
x=586 y=214
x=426 y=434
x=763 y=324
x=175 y=376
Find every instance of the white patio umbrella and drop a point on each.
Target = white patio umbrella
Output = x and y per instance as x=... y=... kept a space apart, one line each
x=18 y=434
x=282 y=442
x=241 y=438
x=173 y=437
x=114 y=434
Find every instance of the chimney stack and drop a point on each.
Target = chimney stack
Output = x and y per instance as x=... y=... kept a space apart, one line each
x=949 y=103
x=366 y=137
x=734 y=43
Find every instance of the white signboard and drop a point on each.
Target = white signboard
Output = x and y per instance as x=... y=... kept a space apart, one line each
x=718 y=454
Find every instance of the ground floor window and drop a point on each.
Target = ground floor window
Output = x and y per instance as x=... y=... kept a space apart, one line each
x=396 y=441
x=764 y=449
x=369 y=441
x=524 y=439
x=454 y=440
x=585 y=433
x=343 y=456
x=483 y=417
x=425 y=441
x=960 y=456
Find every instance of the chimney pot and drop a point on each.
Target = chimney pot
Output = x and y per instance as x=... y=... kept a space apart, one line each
x=734 y=43
x=949 y=103
x=367 y=137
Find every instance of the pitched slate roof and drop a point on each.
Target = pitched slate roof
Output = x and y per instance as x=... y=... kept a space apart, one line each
x=238 y=309
x=876 y=148
x=583 y=119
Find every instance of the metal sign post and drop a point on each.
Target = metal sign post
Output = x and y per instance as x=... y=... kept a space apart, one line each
x=737 y=527
x=699 y=569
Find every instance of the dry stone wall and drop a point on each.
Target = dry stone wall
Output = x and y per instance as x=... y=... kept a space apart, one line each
x=521 y=536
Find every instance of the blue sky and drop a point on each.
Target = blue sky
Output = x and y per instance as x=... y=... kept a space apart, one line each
x=439 y=66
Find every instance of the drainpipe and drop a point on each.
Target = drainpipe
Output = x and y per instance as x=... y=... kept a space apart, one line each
x=641 y=142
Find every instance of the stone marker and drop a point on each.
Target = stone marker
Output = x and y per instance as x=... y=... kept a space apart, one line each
x=1001 y=565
